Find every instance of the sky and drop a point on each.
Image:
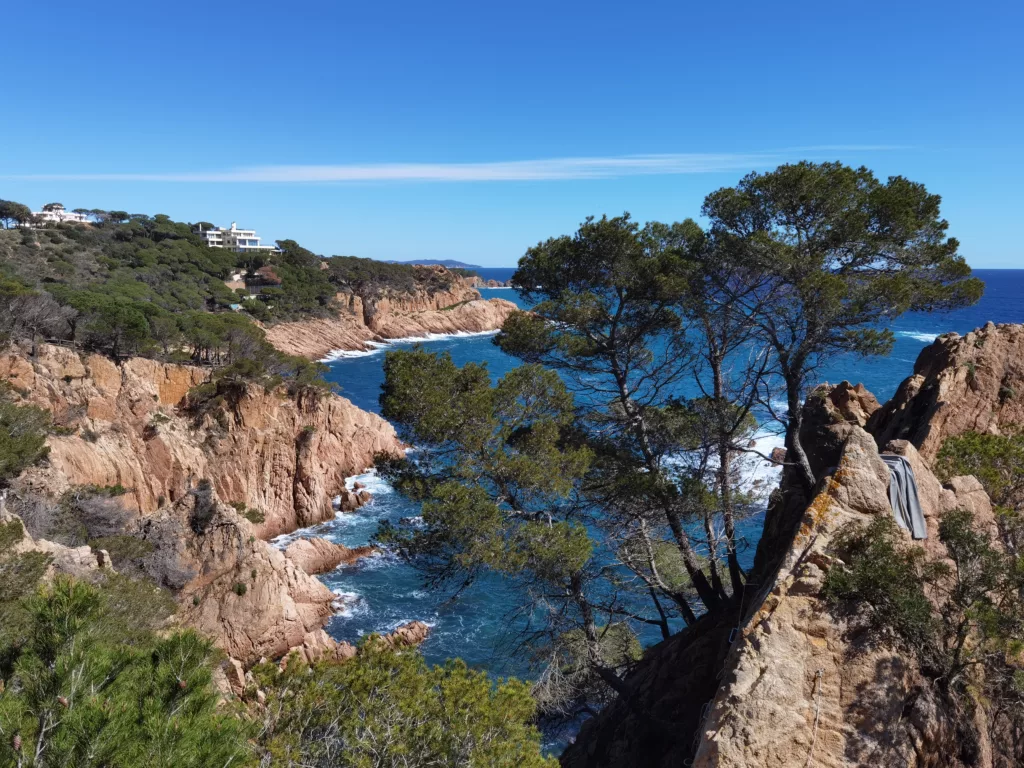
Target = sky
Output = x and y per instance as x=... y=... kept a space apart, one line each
x=473 y=130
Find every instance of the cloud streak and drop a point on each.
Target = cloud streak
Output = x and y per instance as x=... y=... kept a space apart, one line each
x=553 y=169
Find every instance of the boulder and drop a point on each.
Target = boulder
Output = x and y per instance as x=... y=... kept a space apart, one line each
x=321 y=556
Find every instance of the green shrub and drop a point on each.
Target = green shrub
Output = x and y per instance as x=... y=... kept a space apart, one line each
x=970 y=643
x=90 y=677
x=883 y=575
x=239 y=588
x=23 y=430
x=996 y=460
x=388 y=707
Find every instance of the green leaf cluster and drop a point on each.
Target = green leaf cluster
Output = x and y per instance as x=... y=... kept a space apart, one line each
x=389 y=705
x=497 y=464
x=88 y=683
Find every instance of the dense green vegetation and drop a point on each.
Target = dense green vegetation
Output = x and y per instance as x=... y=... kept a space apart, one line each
x=23 y=432
x=613 y=499
x=89 y=683
x=140 y=285
x=996 y=460
x=389 y=708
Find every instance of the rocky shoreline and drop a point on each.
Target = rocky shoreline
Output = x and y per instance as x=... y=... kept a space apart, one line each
x=362 y=323
x=783 y=678
x=267 y=465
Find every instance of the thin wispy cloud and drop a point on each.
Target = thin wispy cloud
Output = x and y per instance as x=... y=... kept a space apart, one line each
x=553 y=169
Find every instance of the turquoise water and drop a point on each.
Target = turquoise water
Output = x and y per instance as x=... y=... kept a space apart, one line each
x=382 y=592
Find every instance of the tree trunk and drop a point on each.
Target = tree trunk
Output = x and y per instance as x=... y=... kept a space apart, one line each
x=794 y=446
x=707 y=594
x=725 y=490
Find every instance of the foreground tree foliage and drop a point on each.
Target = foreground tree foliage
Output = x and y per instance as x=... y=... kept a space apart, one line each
x=87 y=683
x=671 y=344
x=833 y=253
x=386 y=707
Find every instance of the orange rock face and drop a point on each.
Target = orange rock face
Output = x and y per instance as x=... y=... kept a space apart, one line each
x=972 y=383
x=457 y=309
x=287 y=459
x=243 y=593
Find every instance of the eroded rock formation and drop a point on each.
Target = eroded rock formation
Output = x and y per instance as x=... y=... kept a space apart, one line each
x=321 y=556
x=799 y=684
x=243 y=593
x=287 y=459
x=972 y=383
x=457 y=309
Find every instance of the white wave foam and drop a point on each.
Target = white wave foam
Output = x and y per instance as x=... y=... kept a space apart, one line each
x=348 y=604
x=392 y=626
x=372 y=482
x=281 y=542
x=376 y=346
x=765 y=474
x=927 y=338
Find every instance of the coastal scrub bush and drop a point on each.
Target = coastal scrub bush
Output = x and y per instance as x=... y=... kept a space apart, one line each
x=969 y=640
x=89 y=683
x=23 y=430
x=996 y=460
x=883 y=574
x=387 y=707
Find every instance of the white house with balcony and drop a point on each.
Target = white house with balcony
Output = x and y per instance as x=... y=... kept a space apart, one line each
x=55 y=213
x=234 y=239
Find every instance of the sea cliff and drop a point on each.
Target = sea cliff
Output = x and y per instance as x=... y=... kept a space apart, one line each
x=123 y=424
x=457 y=308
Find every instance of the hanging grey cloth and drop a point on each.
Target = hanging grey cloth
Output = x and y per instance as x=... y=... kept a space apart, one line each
x=906 y=506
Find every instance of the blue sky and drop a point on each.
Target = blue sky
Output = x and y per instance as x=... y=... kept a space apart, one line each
x=472 y=130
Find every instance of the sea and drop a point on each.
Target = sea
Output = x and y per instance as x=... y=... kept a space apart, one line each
x=381 y=592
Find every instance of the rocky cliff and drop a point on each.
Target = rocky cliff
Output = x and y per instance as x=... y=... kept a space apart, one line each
x=456 y=309
x=972 y=383
x=230 y=585
x=120 y=424
x=785 y=679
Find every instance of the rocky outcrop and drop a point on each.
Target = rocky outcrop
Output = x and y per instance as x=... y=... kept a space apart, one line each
x=322 y=556
x=80 y=562
x=972 y=383
x=121 y=425
x=407 y=635
x=783 y=679
x=800 y=685
x=362 y=322
x=479 y=282
x=235 y=588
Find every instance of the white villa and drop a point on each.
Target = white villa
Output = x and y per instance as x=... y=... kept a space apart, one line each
x=234 y=239
x=57 y=214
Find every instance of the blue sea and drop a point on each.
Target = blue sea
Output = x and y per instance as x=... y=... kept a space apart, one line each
x=381 y=593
